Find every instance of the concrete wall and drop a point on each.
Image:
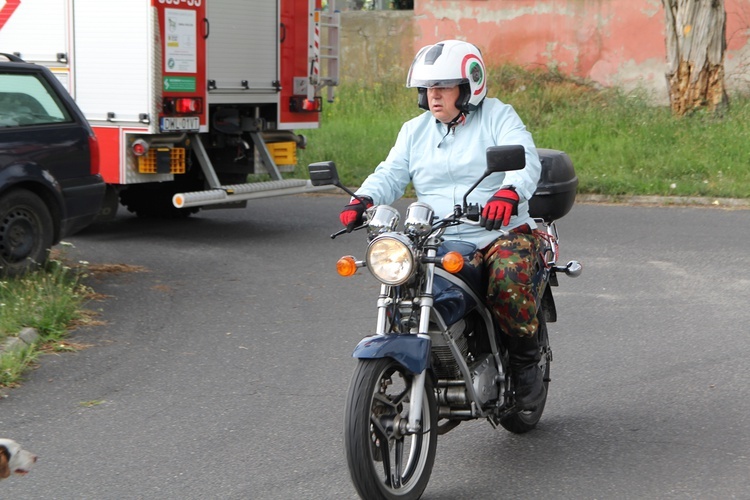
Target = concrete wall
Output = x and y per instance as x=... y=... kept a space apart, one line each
x=376 y=45
x=613 y=42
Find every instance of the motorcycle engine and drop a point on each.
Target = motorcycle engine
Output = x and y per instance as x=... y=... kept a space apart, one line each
x=482 y=367
x=484 y=378
x=442 y=360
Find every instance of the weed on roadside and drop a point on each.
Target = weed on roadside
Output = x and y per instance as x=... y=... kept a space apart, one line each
x=48 y=300
x=14 y=363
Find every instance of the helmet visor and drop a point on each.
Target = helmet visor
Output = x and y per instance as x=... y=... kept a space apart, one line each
x=446 y=83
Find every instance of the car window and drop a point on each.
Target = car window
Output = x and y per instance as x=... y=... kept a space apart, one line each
x=26 y=99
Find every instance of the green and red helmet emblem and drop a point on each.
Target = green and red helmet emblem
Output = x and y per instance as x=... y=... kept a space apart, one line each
x=473 y=70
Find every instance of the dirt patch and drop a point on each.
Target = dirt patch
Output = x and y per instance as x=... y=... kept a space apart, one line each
x=109 y=269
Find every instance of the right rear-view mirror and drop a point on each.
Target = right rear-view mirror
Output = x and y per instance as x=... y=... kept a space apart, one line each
x=505 y=158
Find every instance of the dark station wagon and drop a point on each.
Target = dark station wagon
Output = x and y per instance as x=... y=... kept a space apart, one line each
x=49 y=162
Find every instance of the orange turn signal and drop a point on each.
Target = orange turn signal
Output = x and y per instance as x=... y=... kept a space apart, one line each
x=453 y=262
x=346 y=266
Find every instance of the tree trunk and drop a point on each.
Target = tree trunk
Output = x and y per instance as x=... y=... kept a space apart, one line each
x=696 y=43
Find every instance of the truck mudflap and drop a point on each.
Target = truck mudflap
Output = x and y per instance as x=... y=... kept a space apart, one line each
x=242 y=192
x=412 y=351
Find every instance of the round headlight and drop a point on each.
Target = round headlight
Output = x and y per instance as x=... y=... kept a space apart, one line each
x=390 y=259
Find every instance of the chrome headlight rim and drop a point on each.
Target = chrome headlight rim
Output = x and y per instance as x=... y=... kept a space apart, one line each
x=391 y=258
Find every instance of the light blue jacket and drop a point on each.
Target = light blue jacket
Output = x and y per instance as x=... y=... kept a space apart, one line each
x=443 y=167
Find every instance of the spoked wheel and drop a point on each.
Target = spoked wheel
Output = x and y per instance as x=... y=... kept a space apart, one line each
x=525 y=421
x=26 y=232
x=385 y=461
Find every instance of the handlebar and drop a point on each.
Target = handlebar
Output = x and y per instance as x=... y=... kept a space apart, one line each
x=460 y=215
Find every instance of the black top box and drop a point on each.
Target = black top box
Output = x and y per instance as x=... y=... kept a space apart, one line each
x=556 y=190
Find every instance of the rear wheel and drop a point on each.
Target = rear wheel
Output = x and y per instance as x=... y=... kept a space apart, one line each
x=26 y=232
x=525 y=421
x=385 y=462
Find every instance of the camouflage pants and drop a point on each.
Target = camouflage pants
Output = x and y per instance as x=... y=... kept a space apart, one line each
x=513 y=265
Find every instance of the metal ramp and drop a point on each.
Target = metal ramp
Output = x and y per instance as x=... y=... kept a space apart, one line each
x=217 y=194
x=241 y=192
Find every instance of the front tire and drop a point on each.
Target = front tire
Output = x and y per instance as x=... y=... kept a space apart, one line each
x=385 y=463
x=26 y=232
x=524 y=421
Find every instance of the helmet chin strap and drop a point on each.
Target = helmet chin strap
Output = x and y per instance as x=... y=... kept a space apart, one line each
x=460 y=117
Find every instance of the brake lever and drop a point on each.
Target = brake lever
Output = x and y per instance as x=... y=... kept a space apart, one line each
x=347 y=230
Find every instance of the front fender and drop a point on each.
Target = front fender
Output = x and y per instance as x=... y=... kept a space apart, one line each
x=410 y=351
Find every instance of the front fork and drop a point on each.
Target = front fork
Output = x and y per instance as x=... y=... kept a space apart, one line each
x=416 y=396
x=385 y=300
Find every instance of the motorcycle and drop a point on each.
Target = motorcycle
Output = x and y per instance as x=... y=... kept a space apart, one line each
x=437 y=356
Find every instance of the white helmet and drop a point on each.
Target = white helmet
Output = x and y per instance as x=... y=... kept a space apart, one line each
x=447 y=64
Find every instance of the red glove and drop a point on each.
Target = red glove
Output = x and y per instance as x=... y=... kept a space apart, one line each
x=351 y=215
x=499 y=208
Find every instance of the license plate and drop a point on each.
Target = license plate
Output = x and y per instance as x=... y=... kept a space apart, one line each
x=180 y=123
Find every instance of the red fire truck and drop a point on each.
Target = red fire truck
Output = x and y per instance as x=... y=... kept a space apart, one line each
x=186 y=97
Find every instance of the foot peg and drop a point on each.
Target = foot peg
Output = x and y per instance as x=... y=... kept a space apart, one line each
x=572 y=269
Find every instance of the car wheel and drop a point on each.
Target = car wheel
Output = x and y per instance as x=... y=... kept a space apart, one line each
x=26 y=232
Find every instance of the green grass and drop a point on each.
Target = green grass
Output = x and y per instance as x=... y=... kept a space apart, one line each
x=13 y=364
x=619 y=143
x=48 y=300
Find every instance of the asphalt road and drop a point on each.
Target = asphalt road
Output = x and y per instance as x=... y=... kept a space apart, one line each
x=221 y=368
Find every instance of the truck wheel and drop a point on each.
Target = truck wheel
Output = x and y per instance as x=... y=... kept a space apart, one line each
x=154 y=201
x=26 y=232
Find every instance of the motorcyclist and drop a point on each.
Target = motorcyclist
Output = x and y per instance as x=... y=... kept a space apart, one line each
x=442 y=153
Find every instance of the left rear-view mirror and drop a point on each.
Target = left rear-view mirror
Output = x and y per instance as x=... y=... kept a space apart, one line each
x=324 y=174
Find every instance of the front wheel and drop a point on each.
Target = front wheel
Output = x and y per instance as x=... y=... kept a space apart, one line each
x=385 y=462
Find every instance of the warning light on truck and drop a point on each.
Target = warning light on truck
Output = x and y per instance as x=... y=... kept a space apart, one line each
x=182 y=105
x=299 y=104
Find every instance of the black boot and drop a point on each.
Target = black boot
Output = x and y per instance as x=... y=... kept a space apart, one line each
x=528 y=379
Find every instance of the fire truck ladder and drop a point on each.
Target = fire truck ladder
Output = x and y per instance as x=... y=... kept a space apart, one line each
x=323 y=48
x=330 y=51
